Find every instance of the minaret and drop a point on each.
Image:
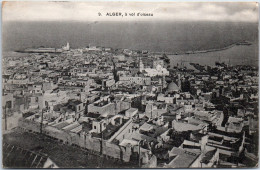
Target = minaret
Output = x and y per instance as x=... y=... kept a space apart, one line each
x=141 y=65
x=179 y=81
x=68 y=46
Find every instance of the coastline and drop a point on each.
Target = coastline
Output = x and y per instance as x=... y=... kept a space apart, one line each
x=202 y=51
x=245 y=43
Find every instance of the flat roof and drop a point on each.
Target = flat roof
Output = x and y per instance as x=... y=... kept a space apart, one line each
x=182 y=158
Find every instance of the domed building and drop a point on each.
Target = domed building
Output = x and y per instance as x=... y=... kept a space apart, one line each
x=173 y=87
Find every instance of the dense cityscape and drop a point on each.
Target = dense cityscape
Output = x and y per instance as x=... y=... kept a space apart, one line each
x=103 y=107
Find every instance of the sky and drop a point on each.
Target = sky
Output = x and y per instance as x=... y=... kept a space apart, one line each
x=169 y=11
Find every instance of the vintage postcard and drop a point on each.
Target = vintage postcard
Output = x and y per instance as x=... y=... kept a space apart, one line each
x=130 y=84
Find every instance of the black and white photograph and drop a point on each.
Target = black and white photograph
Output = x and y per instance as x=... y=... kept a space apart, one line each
x=130 y=84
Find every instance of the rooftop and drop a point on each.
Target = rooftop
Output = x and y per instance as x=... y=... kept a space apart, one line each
x=181 y=158
x=208 y=156
x=74 y=102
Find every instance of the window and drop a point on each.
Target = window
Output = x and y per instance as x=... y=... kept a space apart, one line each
x=8 y=104
x=95 y=127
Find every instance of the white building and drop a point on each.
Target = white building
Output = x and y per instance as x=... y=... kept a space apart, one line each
x=158 y=71
x=67 y=47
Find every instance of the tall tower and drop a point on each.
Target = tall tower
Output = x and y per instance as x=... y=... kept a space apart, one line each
x=163 y=82
x=141 y=65
x=179 y=81
x=68 y=46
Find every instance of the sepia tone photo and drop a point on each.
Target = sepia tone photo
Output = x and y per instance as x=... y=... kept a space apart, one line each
x=130 y=84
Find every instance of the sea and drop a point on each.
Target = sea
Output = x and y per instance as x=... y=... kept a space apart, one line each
x=235 y=55
x=154 y=36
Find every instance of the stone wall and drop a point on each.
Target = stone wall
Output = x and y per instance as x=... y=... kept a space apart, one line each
x=29 y=125
x=83 y=140
x=61 y=135
x=90 y=143
x=108 y=149
x=116 y=151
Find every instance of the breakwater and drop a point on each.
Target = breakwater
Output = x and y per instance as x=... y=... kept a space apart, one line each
x=202 y=51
